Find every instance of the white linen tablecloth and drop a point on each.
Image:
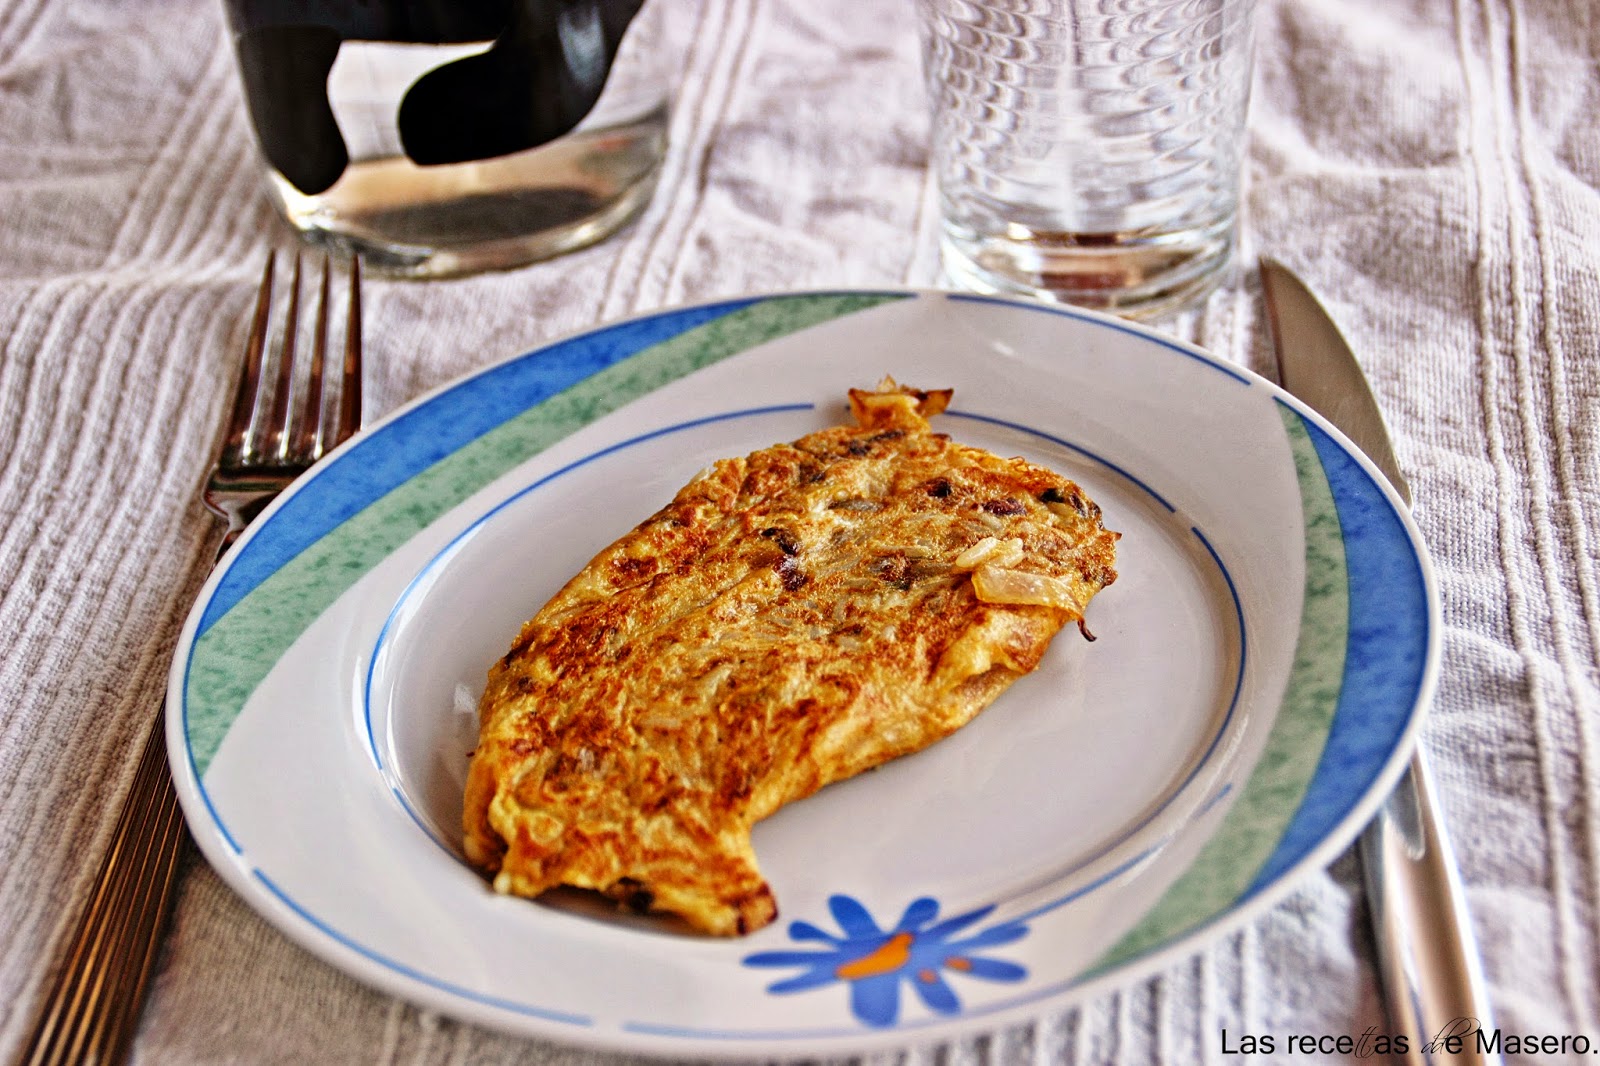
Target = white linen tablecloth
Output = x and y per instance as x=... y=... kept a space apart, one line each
x=1431 y=167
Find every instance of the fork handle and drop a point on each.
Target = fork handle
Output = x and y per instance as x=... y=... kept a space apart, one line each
x=93 y=1008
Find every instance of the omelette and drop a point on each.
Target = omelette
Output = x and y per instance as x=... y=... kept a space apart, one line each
x=790 y=619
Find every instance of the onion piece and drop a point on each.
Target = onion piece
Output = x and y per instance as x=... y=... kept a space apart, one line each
x=995 y=584
x=992 y=551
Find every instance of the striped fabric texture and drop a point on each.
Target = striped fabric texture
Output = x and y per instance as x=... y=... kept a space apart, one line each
x=1431 y=169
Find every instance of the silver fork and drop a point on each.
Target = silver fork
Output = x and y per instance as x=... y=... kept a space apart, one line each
x=279 y=426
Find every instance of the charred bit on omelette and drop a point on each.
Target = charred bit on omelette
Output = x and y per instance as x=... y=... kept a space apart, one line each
x=790 y=619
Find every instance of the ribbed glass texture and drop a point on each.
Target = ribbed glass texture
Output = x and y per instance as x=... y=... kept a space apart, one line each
x=1087 y=124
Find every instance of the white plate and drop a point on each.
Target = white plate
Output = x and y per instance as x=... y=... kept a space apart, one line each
x=1259 y=671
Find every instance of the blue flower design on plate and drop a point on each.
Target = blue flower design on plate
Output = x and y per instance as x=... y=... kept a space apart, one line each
x=919 y=949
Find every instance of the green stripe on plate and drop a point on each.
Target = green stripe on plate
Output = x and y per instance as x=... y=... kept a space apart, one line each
x=233 y=657
x=1230 y=860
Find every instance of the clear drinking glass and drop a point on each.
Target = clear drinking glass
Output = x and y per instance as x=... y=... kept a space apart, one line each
x=439 y=137
x=1088 y=151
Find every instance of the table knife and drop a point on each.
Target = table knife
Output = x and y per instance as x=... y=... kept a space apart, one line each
x=1427 y=957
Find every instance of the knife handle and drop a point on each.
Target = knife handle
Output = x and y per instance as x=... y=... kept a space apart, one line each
x=1427 y=956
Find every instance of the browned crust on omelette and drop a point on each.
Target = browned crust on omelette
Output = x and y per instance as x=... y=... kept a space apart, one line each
x=790 y=619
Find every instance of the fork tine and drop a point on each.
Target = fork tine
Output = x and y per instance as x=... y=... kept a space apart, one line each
x=309 y=438
x=350 y=385
x=241 y=422
x=278 y=425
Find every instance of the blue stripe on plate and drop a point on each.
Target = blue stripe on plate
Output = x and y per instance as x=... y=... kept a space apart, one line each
x=1385 y=663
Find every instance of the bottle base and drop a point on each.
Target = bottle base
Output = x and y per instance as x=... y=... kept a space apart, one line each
x=407 y=221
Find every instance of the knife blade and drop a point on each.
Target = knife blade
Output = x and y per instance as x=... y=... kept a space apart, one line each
x=1427 y=956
